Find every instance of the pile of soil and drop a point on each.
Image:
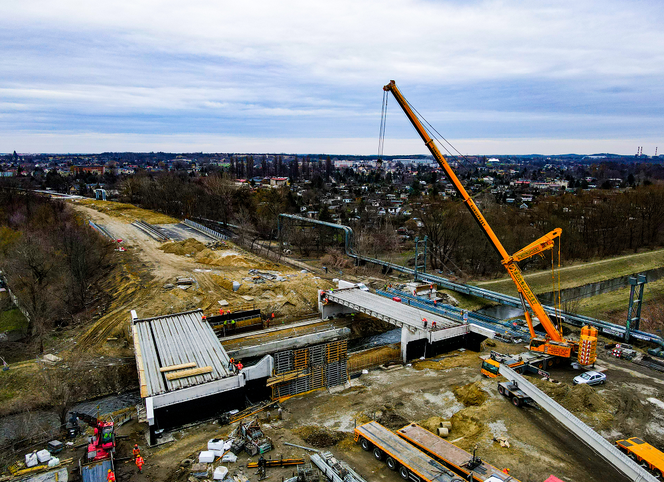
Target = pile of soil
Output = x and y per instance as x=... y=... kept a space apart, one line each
x=470 y=394
x=189 y=246
x=465 y=424
x=319 y=437
x=431 y=423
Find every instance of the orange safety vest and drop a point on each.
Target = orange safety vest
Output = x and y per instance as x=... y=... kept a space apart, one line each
x=111 y=477
x=136 y=452
x=239 y=366
x=139 y=461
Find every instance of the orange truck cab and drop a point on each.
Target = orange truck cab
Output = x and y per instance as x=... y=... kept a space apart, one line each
x=643 y=453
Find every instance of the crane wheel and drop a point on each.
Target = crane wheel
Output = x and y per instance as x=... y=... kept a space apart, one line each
x=403 y=472
x=365 y=444
x=391 y=463
x=378 y=453
x=516 y=402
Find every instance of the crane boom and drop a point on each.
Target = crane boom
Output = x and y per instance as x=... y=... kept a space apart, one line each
x=508 y=261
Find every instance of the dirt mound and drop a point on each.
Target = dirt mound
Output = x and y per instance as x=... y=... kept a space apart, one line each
x=469 y=427
x=577 y=398
x=189 y=246
x=431 y=423
x=319 y=437
x=471 y=394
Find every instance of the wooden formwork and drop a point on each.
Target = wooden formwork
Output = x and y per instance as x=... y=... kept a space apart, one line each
x=374 y=357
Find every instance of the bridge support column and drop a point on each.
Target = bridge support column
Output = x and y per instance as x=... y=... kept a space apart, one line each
x=406 y=337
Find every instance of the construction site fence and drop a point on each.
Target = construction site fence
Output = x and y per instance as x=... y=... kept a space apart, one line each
x=374 y=358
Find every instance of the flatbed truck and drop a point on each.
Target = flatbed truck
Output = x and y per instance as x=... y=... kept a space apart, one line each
x=454 y=458
x=528 y=362
x=411 y=463
x=512 y=391
x=643 y=453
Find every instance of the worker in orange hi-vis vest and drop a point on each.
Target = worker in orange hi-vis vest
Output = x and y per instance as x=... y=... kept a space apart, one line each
x=139 y=463
x=136 y=451
x=111 y=476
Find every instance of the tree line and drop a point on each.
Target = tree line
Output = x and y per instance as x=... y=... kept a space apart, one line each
x=51 y=258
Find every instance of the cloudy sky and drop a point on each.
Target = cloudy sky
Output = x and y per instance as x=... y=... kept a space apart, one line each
x=494 y=77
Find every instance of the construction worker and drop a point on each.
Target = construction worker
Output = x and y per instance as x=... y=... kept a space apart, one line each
x=110 y=477
x=506 y=470
x=231 y=364
x=136 y=451
x=239 y=366
x=433 y=325
x=139 y=463
x=425 y=322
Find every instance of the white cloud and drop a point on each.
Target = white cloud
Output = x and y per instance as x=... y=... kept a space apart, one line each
x=509 y=62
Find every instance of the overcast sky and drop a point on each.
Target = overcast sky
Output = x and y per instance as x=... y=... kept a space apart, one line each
x=306 y=76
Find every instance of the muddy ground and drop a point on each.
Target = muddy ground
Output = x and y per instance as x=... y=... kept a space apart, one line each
x=630 y=404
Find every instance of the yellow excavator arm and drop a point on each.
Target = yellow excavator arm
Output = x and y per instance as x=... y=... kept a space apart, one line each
x=546 y=242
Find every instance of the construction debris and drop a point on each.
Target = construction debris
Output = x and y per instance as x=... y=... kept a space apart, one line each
x=255 y=441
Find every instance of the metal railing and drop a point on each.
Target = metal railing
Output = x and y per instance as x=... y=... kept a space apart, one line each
x=205 y=230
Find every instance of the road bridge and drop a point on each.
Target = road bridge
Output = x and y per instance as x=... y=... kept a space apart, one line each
x=410 y=319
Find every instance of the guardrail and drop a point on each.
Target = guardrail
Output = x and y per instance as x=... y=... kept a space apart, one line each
x=205 y=230
x=102 y=230
x=150 y=230
x=586 y=434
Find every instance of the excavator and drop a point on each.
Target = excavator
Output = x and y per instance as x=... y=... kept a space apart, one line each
x=553 y=343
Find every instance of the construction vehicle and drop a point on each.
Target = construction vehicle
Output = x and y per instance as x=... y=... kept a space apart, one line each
x=102 y=445
x=528 y=362
x=399 y=455
x=553 y=343
x=643 y=453
x=454 y=458
x=512 y=391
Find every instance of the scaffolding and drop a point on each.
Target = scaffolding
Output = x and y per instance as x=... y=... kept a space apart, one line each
x=307 y=369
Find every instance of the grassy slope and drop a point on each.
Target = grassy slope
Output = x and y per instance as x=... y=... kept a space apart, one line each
x=581 y=274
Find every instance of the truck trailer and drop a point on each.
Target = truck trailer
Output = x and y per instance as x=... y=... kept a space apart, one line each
x=399 y=455
x=454 y=458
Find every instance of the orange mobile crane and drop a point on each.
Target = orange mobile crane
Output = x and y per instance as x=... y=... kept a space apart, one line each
x=553 y=343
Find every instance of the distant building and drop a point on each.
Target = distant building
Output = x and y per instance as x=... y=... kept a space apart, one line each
x=98 y=170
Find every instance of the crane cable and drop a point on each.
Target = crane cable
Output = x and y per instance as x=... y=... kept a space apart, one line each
x=383 y=122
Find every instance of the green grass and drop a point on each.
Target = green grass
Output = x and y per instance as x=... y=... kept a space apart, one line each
x=13 y=320
x=581 y=274
x=601 y=306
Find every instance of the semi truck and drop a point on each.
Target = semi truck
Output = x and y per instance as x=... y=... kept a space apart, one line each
x=528 y=362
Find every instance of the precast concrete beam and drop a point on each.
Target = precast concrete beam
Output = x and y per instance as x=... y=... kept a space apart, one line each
x=291 y=343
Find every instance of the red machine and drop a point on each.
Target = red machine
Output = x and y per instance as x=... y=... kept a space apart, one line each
x=102 y=445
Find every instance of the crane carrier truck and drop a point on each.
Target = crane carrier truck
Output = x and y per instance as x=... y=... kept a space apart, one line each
x=553 y=343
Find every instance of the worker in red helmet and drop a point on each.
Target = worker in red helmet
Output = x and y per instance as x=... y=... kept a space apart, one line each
x=139 y=463
x=110 y=477
x=136 y=451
